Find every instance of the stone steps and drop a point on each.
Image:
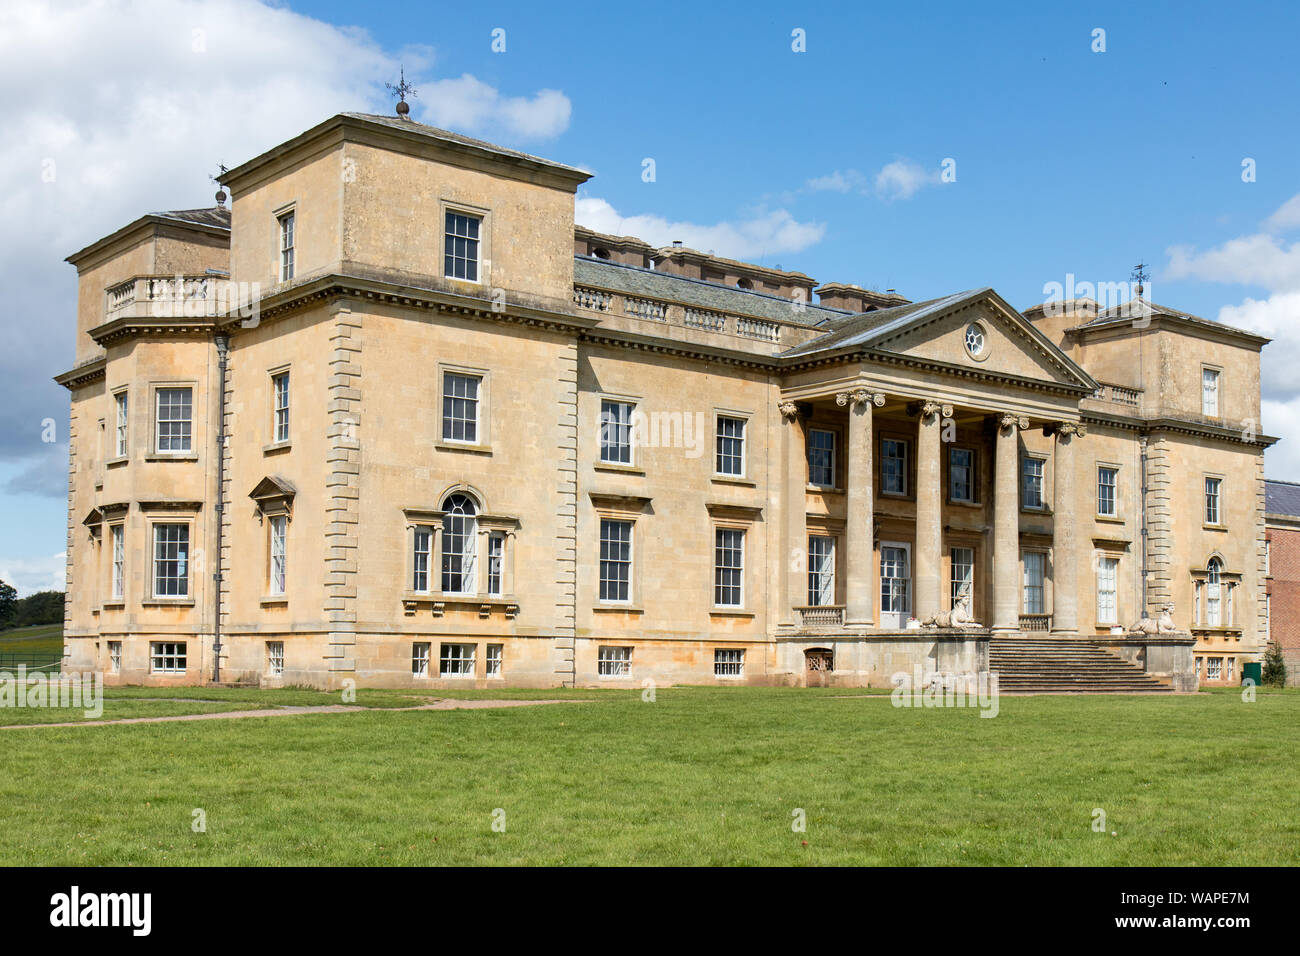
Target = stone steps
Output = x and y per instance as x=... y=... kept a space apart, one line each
x=1041 y=665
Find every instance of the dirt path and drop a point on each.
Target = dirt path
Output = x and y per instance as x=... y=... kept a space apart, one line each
x=290 y=711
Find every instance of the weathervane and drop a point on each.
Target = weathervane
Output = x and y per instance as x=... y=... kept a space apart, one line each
x=221 y=174
x=400 y=91
x=1140 y=275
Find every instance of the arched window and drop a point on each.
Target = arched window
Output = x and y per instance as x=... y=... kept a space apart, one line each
x=459 y=545
x=600 y=253
x=744 y=284
x=1213 y=593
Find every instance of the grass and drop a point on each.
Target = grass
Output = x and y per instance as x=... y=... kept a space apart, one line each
x=700 y=776
x=41 y=642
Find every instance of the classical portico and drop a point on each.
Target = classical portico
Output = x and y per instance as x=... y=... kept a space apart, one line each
x=926 y=516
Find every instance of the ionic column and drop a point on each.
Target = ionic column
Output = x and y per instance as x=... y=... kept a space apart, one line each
x=856 y=560
x=796 y=519
x=1065 y=557
x=1006 y=524
x=926 y=559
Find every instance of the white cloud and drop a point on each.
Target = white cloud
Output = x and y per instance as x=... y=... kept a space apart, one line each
x=29 y=575
x=763 y=234
x=849 y=180
x=471 y=106
x=116 y=108
x=903 y=178
x=1286 y=217
x=1250 y=260
x=1262 y=260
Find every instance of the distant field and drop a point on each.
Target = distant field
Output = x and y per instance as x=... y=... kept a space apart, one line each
x=698 y=776
x=39 y=643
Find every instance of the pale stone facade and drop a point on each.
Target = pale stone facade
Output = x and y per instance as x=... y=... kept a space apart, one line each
x=456 y=453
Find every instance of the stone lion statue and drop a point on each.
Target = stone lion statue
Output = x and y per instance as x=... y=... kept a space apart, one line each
x=1164 y=624
x=959 y=616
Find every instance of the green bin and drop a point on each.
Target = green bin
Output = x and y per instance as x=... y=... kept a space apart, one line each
x=1251 y=671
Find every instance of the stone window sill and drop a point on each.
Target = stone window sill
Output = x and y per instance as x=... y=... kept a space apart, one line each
x=177 y=456
x=730 y=612
x=825 y=489
x=116 y=462
x=276 y=446
x=271 y=600
x=438 y=603
x=618 y=469
x=1112 y=519
x=466 y=447
x=1214 y=527
x=113 y=605
x=167 y=602
x=958 y=503
x=734 y=480
x=623 y=608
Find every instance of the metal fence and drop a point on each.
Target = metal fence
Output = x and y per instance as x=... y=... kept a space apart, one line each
x=34 y=661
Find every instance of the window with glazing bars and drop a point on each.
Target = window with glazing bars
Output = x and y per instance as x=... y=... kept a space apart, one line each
x=122 y=421
x=459 y=544
x=729 y=662
x=275 y=658
x=117 y=533
x=821 y=457
x=171 y=553
x=1031 y=485
x=731 y=446
x=279 y=531
x=419 y=660
x=1035 y=563
x=615 y=560
x=728 y=567
x=460 y=259
x=614 y=661
x=961 y=474
x=286 y=246
x=1106 y=491
x=460 y=407
x=280 y=385
x=166 y=657
x=457 y=660
x=893 y=467
x=174 y=415
x=422 y=542
x=821 y=570
x=616 y=432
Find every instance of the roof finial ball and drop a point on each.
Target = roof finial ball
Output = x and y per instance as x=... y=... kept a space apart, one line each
x=221 y=191
x=400 y=91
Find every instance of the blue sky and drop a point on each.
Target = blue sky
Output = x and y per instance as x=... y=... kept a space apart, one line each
x=1067 y=160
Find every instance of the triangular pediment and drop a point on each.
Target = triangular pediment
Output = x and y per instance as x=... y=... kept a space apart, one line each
x=982 y=333
x=272 y=486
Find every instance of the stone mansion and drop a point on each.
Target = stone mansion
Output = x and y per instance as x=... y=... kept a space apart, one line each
x=392 y=417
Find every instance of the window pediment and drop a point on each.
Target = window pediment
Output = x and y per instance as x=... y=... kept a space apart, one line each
x=274 y=496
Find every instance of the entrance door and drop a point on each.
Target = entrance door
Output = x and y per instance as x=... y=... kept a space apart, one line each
x=895 y=583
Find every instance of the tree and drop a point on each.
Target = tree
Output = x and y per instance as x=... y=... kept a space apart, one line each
x=8 y=604
x=1274 y=673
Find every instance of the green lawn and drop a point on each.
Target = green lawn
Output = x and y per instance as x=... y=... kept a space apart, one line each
x=700 y=776
x=43 y=642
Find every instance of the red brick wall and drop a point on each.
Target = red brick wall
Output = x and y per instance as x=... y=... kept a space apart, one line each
x=1284 y=595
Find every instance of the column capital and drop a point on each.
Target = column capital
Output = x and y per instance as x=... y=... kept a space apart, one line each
x=1007 y=421
x=860 y=396
x=929 y=409
x=1068 y=430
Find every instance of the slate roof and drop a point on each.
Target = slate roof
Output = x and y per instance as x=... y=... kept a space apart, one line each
x=1127 y=310
x=1282 y=498
x=649 y=284
x=433 y=132
x=218 y=216
x=846 y=329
